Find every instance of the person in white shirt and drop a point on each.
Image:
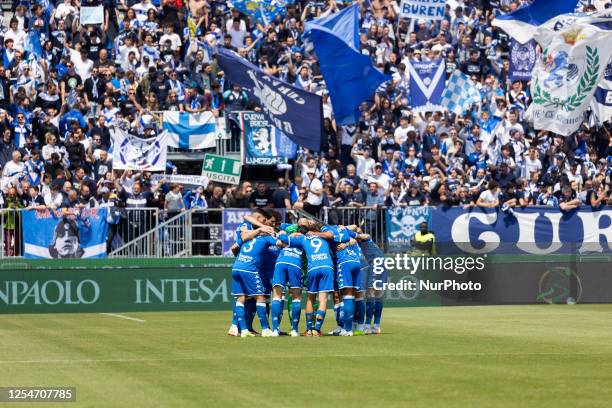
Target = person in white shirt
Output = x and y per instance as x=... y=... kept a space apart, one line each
x=141 y=9
x=531 y=163
x=364 y=163
x=401 y=133
x=490 y=197
x=14 y=168
x=381 y=179
x=174 y=38
x=14 y=33
x=314 y=199
x=237 y=34
x=83 y=66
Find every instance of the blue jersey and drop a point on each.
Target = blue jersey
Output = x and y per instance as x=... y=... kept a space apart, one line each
x=237 y=233
x=316 y=249
x=270 y=256
x=341 y=234
x=350 y=253
x=291 y=256
x=252 y=253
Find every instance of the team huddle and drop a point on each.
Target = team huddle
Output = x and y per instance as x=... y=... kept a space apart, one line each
x=271 y=261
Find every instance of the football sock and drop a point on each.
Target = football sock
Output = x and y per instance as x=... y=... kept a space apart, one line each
x=369 y=310
x=277 y=311
x=296 y=309
x=349 y=311
x=360 y=311
x=309 y=316
x=249 y=313
x=263 y=316
x=320 y=319
x=337 y=308
x=378 y=308
x=234 y=316
x=240 y=316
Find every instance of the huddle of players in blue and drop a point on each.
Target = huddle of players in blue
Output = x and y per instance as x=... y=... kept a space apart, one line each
x=271 y=258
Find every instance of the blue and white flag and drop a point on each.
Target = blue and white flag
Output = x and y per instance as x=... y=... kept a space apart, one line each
x=460 y=93
x=522 y=60
x=190 y=130
x=602 y=100
x=263 y=144
x=134 y=153
x=426 y=84
x=349 y=75
x=522 y=23
x=32 y=44
x=297 y=113
x=81 y=234
x=402 y=223
x=264 y=11
x=576 y=49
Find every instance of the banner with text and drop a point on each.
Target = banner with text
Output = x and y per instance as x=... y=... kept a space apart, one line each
x=402 y=223
x=262 y=143
x=425 y=9
x=535 y=230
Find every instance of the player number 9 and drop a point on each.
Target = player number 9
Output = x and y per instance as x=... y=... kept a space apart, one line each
x=316 y=243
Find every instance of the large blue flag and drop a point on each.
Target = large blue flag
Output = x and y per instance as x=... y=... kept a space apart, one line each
x=522 y=23
x=348 y=74
x=264 y=11
x=427 y=80
x=297 y=113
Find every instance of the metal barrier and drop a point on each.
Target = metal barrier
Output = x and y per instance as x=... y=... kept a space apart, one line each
x=11 y=233
x=370 y=219
x=192 y=232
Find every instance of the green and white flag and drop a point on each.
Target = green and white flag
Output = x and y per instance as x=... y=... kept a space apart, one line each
x=576 y=48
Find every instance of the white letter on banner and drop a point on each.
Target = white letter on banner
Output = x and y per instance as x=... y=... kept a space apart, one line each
x=592 y=230
x=461 y=234
x=527 y=242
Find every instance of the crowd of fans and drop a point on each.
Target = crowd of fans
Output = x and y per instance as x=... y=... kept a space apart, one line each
x=57 y=104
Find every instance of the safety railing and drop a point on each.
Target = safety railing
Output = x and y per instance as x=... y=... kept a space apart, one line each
x=193 y=232
x=371 y=220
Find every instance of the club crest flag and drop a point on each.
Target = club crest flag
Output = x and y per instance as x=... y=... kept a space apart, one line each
x=190 y=130
x=135 y=153
x=602 y=100
x=81 y=234
x=576 y=49
x=262 y=143
x=427 y=84
x=522 y=60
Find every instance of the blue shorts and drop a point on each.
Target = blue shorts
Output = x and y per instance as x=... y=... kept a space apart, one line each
x=246 y=283
x=286 y=272
x=320 y=280
x=348 y=275
x=266 y=280
x=379 y=278
x=364 y=271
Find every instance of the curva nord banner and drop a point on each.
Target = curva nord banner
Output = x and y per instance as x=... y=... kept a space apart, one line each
x=538 y=231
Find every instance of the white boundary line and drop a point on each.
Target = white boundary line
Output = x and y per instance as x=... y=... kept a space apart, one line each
x=120 y=316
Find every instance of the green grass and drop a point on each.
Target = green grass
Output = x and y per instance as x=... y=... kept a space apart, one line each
x=510 y=356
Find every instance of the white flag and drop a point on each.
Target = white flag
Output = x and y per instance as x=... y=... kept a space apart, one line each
x=602 y=100
x=576 y=49
x=135 y=153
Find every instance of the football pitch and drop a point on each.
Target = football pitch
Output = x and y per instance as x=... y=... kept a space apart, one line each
x=506 y=356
